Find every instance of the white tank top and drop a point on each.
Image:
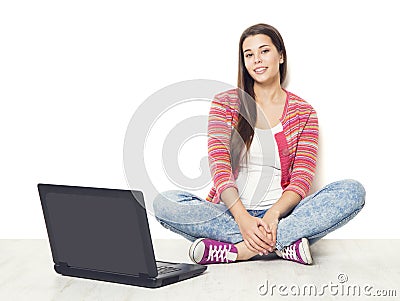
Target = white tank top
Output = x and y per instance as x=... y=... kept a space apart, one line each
x=259 y=182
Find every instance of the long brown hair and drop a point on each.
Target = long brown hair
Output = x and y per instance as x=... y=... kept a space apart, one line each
x=242 y=134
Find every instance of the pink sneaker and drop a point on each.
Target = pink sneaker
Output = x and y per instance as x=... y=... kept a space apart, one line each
x=207 y=251
x=299 y=251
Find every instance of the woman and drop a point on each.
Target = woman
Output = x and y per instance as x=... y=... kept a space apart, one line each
x=259 y=205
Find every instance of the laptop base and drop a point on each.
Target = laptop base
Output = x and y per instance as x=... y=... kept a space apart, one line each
x=190 y=271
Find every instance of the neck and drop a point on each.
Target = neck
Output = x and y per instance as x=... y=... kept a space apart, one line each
x=268 y=93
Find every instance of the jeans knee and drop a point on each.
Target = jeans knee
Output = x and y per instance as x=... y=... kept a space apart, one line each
x=356 y=192
x=163 y=201
x=159 y=203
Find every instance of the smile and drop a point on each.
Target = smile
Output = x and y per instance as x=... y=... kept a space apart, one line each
x=260 y=70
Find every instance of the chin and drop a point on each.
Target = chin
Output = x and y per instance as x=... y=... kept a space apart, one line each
x=262 y=81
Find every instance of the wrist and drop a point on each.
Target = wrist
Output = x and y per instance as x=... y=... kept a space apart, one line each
x=238 y=216
x=273 y=213
x=237 y=210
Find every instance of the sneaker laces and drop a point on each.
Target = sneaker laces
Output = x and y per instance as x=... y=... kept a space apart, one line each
x=218 y=253
x=289 y=252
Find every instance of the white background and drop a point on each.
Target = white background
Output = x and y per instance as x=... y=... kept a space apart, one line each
x=72 y=74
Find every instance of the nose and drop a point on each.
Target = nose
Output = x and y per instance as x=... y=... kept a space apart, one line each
x=257 y=59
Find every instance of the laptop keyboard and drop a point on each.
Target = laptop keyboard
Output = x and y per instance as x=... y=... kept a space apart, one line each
x=166 y=269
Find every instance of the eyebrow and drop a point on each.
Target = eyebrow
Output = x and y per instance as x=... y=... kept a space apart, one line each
x=258 y=47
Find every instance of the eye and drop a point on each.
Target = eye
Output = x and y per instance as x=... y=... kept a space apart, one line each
x=248 y=55
x=265 y=51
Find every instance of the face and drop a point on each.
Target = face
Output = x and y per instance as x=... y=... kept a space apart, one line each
x=261 y=58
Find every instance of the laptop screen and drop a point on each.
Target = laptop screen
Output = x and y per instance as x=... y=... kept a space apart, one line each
x=96 y=229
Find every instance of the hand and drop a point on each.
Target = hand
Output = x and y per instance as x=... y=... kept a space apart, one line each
x=268 y=235
x=271 y=218
x=255 y=239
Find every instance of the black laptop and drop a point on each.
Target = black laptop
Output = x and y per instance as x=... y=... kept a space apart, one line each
x=103 y=234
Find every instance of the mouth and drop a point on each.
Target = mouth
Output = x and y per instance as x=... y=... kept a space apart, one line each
x=260 y=70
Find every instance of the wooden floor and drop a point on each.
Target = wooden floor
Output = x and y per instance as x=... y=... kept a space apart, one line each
x=341 y=269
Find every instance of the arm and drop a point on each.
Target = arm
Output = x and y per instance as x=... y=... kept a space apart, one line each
x=219 y=135
x=305 y=160
x=302 y=175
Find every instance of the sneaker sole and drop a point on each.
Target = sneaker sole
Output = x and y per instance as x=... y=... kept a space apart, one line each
x=193 y=247
x=306 y=250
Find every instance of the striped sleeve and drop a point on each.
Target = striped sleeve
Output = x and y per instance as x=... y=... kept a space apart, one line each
x=305 y=158
x=219 y=135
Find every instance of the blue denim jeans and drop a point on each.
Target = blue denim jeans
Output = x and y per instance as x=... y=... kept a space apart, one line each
x=315 y=216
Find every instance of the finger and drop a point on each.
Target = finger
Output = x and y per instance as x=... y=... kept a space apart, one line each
x=250 y=247
x=274 y=230
x=271 y=239
x=272 y=236
x=262 y=236
x=264 y=224
x=255 y=245
x=266 y=239
x=261 y=244
x=252 y=236
x=261 y=228
x=264 y=229
x=264 y=233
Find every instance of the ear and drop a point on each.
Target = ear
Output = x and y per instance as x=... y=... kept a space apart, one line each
x=281 y=60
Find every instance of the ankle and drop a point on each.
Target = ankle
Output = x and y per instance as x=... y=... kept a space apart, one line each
x=243 y=252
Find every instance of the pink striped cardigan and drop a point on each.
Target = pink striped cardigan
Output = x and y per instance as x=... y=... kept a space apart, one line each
x=297 y=144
